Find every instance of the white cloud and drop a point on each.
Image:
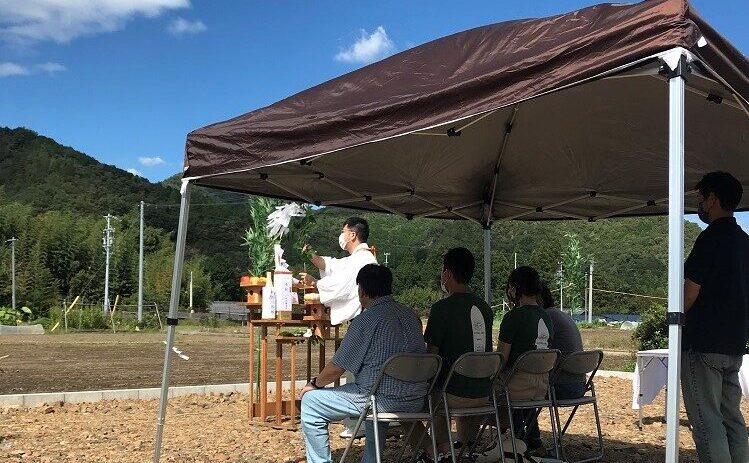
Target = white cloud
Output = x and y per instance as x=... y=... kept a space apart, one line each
x=24 y=22
x=13 y=69
x=135 y=172
x=151 y=161
x=50 y=68
x=181 y=26
x=368 y=48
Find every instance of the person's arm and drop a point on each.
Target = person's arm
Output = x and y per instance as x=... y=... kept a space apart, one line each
x=330 y=373
x=696 y=270
x=691 y=291
x=504 y=349
x=506 y=330
x=316 y=260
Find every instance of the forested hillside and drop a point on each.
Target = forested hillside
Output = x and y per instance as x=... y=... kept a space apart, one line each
x=53 y=199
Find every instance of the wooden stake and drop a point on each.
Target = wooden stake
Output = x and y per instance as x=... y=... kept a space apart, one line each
x=111 y=314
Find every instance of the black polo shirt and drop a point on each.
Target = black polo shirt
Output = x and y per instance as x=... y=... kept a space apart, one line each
x=718 y=321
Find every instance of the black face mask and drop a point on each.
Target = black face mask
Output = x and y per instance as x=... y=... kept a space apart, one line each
x=702 y=213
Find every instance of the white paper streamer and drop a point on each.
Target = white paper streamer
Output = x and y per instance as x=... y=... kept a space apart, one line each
x=278 y=221
x=178 y=352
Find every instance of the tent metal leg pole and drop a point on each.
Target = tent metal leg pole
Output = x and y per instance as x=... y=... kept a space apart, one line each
x=675 y=253
x=488 y=265
x=179 y=257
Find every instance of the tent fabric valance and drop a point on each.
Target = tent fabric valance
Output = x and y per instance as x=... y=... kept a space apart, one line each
x=532 y=119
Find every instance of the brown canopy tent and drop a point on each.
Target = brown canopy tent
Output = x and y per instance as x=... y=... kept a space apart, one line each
x=576 y=116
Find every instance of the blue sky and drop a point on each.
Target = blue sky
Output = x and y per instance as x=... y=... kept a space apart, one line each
x=125 y=82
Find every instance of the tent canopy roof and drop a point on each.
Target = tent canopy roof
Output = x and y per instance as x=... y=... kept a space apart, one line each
x=560 y=117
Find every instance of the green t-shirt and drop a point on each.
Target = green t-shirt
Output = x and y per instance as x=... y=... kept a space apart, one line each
x=525 y=328
x=458 y=324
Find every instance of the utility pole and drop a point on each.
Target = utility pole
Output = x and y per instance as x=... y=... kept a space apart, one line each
x=516 y=260
x=191 y=310
x=107 y=241
x=590 y=292
x=12 y=242
x=386 y=258
x=140 y=267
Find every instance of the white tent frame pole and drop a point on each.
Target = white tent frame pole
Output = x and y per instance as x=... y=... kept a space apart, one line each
x=675 y=250
x=488 y=265
x=179 y=257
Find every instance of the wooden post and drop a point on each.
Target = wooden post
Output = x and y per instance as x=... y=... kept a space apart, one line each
x=322 y=354
x=337 y=344
x=292 y=386
x=309 y=359
x=279 y=376
x=251 y=384
x=263 y=372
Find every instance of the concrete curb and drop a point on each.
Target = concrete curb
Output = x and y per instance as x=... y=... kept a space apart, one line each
x=33 y=400
x=21 y=329
x=616 y=374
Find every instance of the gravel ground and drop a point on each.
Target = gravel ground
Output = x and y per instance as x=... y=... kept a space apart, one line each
x=215 y=429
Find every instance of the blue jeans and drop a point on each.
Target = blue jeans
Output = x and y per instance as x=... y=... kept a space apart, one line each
x=320 y=407
x=712 y=396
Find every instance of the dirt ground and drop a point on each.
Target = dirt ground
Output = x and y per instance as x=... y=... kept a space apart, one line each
x=92 y=361
x=215 y=429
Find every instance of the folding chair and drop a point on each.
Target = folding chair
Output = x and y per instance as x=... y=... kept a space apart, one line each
x=411 y=368
x=477 y=365
x=540 y=362
x=579 y=363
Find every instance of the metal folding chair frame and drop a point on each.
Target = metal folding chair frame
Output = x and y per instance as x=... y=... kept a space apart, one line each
x=530 y=404
x=427 y=415
x=583 y=400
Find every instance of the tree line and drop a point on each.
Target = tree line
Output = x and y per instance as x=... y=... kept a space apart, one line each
x=53 y=199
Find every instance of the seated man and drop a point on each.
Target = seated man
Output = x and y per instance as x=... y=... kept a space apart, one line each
x=383 y=329
x=458 y=324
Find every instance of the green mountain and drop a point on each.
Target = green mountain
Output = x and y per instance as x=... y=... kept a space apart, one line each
x=53 y=198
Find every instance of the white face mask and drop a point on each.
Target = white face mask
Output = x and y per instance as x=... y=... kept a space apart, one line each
x=342 y=241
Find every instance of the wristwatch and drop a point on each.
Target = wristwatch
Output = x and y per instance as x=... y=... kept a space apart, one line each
x=313 y=382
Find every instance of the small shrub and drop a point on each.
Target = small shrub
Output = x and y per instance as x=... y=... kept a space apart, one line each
x=46 y=322
x=652 y=332
x=90 y=318
x=593 y=324
x=9 y=316
x=419 y=299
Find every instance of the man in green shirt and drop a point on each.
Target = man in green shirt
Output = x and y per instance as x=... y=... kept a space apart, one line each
x=459 y=323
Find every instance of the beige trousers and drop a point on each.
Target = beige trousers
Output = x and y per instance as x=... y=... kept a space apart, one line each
x=467 y=427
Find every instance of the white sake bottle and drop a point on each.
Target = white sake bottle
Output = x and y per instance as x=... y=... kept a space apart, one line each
x=269 y=298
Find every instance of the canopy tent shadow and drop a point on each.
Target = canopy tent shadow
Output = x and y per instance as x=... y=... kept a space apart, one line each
x=577 y=116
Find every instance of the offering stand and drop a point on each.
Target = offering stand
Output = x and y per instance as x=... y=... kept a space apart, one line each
x=280 y=412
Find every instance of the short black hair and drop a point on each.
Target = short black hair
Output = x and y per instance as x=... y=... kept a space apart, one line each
x=359 y=226
x=526 y=281
x=547 y=299
x=461 y=264
x=724 y=186
x=375 y=280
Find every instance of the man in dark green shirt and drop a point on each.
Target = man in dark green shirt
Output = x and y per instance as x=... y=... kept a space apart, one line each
x=459 y=323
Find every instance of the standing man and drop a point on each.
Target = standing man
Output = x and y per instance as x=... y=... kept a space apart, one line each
x=337 y=285
x=716 y=302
